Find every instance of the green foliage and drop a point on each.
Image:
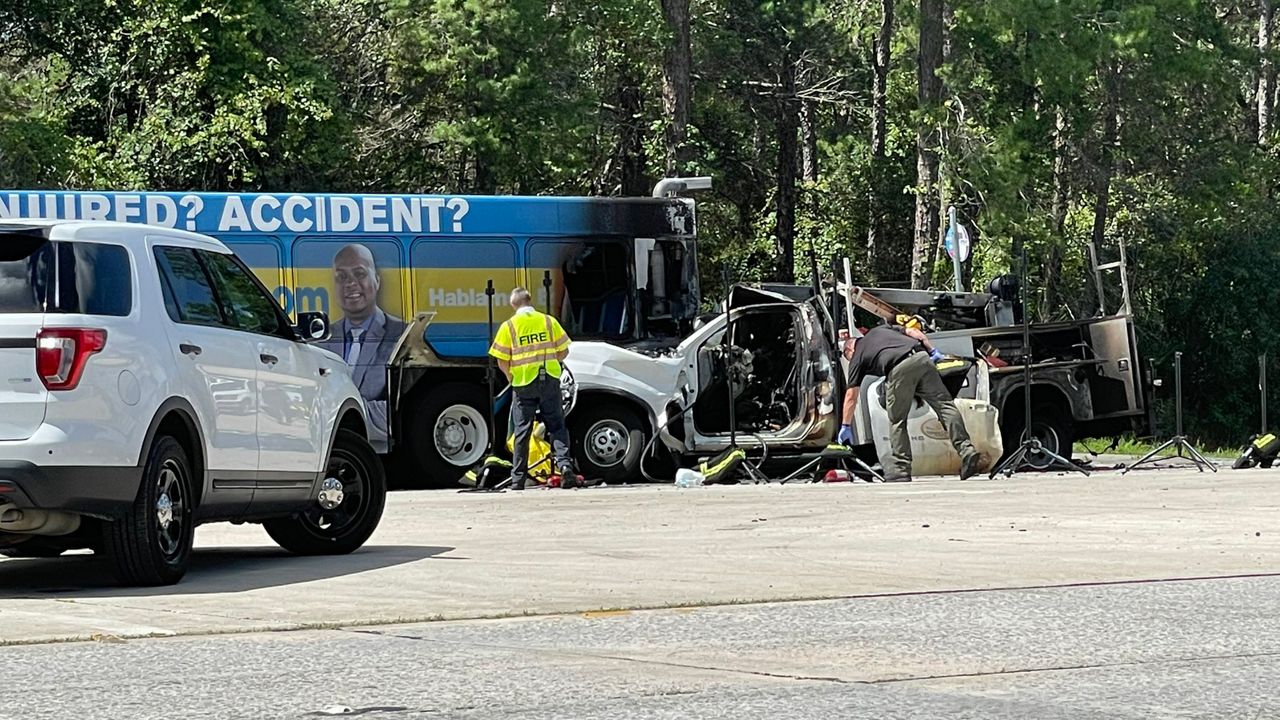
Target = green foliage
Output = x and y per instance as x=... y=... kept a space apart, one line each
x=565 y=96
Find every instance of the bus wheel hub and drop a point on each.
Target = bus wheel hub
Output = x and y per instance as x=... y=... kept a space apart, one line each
x=461 y=435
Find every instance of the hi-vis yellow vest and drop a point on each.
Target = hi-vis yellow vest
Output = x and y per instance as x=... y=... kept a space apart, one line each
x=529 y=341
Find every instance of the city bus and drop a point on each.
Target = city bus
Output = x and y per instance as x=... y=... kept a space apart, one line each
x=402 y=280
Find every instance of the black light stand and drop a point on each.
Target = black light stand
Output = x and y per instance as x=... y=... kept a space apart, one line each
x=843 y=456
x=751 y=471
x=1179 y=441
x=1030 y=443
x=490 y=374
x=1262 y=387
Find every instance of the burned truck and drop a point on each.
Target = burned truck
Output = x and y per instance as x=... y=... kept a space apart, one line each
x=773 y=358
x=1086 y=378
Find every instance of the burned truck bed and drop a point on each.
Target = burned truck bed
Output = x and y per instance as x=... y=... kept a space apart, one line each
x=1086 y=377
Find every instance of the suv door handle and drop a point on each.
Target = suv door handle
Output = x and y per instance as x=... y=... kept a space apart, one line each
x=268 y=359
x=189 y=349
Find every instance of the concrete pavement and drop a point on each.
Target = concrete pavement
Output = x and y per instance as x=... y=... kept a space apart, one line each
x=442 y=555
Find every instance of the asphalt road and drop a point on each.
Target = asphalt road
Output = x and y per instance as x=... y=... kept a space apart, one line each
x=1152 y=595
x=1190 y=649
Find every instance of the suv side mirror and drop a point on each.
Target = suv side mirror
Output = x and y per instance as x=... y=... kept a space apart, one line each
x=313 y=326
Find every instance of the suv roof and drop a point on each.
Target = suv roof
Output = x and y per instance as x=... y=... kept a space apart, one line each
x=99 y=230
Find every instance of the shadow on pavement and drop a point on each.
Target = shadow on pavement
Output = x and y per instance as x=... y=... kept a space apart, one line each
x=213 y=570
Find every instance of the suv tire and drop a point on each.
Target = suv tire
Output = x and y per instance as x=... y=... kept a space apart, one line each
x=151 y=544
x=343 y=529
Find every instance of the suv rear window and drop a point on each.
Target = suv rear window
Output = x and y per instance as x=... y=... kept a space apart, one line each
x=37 y=275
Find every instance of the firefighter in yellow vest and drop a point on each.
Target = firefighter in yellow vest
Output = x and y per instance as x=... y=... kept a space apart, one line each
x=529 y=348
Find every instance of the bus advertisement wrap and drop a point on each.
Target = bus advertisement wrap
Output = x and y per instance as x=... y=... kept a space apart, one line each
x=222 y=213
x=428 y=253
x=615 y=270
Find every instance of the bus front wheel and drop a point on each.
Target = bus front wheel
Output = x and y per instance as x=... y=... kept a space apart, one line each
x=448 y=434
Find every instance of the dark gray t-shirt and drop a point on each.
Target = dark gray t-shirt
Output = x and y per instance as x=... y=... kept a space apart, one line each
x=878 y=351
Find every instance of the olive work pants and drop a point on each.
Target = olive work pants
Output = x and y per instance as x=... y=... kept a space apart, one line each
x=915 y=377
x=540 y=397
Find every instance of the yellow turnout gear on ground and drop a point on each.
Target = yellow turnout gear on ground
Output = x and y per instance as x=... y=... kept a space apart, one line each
x=530 y=340
x=540 y=466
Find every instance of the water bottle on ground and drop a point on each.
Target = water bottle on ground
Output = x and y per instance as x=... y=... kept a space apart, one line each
x=688 y=477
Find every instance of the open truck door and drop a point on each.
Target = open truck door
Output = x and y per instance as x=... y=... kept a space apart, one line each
x=773 y=354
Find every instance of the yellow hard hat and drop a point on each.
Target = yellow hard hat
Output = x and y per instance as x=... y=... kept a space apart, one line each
x=915 y=322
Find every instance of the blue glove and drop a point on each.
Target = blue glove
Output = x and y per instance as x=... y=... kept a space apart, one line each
x=846 y=435
x=936 y=355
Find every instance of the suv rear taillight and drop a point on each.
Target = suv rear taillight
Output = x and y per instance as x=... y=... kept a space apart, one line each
x=61 y=354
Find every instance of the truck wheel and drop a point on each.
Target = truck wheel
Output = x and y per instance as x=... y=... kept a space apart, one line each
x=354 y=494
x=151 y=544
x=1244 y=462
x=607 y=441
x=448 y=433
x=1048 y=423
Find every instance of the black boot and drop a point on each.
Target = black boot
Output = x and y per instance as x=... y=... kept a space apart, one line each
x=569 y=478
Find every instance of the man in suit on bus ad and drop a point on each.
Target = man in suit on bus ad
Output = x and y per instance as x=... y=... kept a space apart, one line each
x=366 y=334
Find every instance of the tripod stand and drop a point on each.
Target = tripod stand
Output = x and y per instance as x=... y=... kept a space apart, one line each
x=752 y=472
x=839 y=454
x=1031 y=444
x=490 y=374
x=1179 y=441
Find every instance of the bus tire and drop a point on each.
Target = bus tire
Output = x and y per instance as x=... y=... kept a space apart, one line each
x=607 y=440
x=448 y=434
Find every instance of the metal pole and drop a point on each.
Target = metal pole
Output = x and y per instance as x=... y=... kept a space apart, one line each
x=1124 y=280
x=728 y=343
x=833 y=301
x=1262 y=386
x=1026 y=356
x=848 y=299
x=489 y=373
x=955 y=249
x=546 y=287
x=1177 y=391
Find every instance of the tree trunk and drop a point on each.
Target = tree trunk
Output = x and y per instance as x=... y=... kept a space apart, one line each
x=1266 y=75
x=948 y=19
x=809 y=149
x=930 y=95
x=631 y=136
x=677 y=85
x=1106 y=168
x=785 y=228
x=879 y=101
x=1053 y=264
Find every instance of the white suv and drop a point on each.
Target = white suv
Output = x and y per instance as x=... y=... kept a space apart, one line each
x=150 y=383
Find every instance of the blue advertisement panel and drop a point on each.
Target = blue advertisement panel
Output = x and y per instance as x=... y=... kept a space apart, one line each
x=404 y=254
x=222 y=214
